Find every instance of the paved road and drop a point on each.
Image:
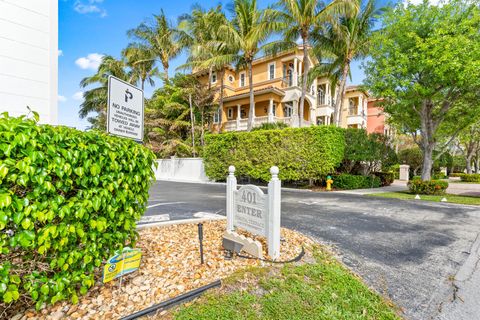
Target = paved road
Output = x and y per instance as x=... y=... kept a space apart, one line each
x=407 y=250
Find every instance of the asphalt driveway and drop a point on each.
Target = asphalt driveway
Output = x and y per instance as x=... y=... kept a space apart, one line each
x=408 y=251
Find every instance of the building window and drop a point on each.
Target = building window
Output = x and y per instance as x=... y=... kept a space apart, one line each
x=242 y=79
x=288 y=109
x=230 y=113
x=353 y=108
x=271 y=71
x=214 y=77
x=321 y=96
x=321 y=121
x=274 y=109
x=230 y=78
x=216 y=117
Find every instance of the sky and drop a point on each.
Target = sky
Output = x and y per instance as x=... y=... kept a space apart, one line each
x=89 y=29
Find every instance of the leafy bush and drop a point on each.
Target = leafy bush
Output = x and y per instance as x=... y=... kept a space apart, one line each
x=68 y=200
x=413 y=157
x=386 y=178
x=300 y=153
x=438 y=176
x=472 y=177
x=347 y=181
x=456 y=174
x=418 y=186
x=365 y=153
x=271 y=126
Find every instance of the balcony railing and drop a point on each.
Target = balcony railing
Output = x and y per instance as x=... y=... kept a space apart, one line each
x=287 y=81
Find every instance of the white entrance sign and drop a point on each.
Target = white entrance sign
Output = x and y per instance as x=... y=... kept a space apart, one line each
x=250 y=209
x=125 y=109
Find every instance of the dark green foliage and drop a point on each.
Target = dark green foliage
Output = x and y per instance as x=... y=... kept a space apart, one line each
x=456 y=174
x=473 y=177
x=418 y=186
x=301 y=153
x=271 y=126
x=365 y=153
x=68 y=200
x=413 y=157
x=386 y=178
x=347 y=181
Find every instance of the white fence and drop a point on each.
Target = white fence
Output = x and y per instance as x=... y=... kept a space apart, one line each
x=181 y=169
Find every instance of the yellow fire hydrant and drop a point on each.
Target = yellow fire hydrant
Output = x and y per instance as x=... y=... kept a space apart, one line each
x=329 y=183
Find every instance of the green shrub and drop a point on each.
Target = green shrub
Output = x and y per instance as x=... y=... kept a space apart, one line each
x=271 y=126
x=300 y=153
x=438 y=176
x=347 y=181
x=470 y=177
x=68 y=200
x=418 y=186
x=386 y=178
x=416 y=178
x=455 y=174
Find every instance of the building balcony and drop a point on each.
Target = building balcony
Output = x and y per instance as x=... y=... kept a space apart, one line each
x=359 y=120
x=242 y=124
x=325 y=110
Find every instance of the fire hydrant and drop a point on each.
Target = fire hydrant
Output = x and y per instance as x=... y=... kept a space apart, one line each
x=329 y=183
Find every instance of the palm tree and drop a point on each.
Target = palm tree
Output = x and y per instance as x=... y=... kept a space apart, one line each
x=248 y=30
x=160 y=38
x=296 y=19
x=208 y=49
x=141 y=62
x=347 y=40
x=95 y=99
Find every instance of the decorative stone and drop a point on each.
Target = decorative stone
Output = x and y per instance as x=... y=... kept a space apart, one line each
x=250 y=246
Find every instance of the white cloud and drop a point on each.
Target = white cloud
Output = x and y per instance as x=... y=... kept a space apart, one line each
x=78 y=96
x=61 y=98
x=60 y=53
x=89 y=6
x=91 y=61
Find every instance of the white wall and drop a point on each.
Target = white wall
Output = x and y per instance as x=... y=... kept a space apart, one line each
x=181 y=169
x=29 y=57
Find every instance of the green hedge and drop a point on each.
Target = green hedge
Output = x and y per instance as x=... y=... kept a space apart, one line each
x=470 y=177
x=347 y=181
x=418 y=186
x=386 y=178
x=68 y=200
x=455 y=174
x=300 y=153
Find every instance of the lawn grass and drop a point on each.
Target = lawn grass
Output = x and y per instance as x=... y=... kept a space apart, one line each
x=452 y=198
x=323 y=289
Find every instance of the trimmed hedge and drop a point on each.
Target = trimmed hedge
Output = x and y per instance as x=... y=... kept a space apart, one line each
x=347 y=181
x=435 y=187
x=455 y=174
x=68 y=200
x=300 y=153
x=470 y=177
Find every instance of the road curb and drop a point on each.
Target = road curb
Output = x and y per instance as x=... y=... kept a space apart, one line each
x=180 y=221
x=470 y=265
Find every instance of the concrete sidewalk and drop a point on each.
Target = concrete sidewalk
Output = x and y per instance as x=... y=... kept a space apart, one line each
x=396 y=186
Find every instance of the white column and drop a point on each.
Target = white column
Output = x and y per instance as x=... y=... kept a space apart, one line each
x=274 y=214
x=295 y=72
x=300 y=71
x=239 y=115
x=404 y=172
x=270 y=111
x=294 y=118
x=231 y=188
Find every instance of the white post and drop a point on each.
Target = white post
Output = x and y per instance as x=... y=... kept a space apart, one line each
x=295 y=72
x=274 y=214
x=404 y=172
x=239 y=115
x=231 y=188
x=270 y=111
x=294 y=118
x=300 y=65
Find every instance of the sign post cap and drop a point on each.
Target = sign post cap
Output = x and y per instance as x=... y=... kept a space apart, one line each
x=274 y=170
x=231 y=169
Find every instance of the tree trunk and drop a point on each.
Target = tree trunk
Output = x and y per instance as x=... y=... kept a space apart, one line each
x=220 y=102
x=165 y=69
x=341 y=94
x=193 y=126
x=306 y=65
x=468 y=163
x=477 y=164
x=251 y=112
x=427 y=163
x=202 y=130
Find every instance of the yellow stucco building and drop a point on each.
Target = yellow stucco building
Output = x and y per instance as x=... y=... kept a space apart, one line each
x=277 y=93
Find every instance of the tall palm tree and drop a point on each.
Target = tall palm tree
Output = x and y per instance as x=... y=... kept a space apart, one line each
x=161 y=38
x=141 y=62
x=248 y=30
x=347 y=40
x=296 y=19
x=95 y=99
x=208 y=48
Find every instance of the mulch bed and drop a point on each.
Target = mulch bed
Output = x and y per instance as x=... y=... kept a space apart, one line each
x=170 y=266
